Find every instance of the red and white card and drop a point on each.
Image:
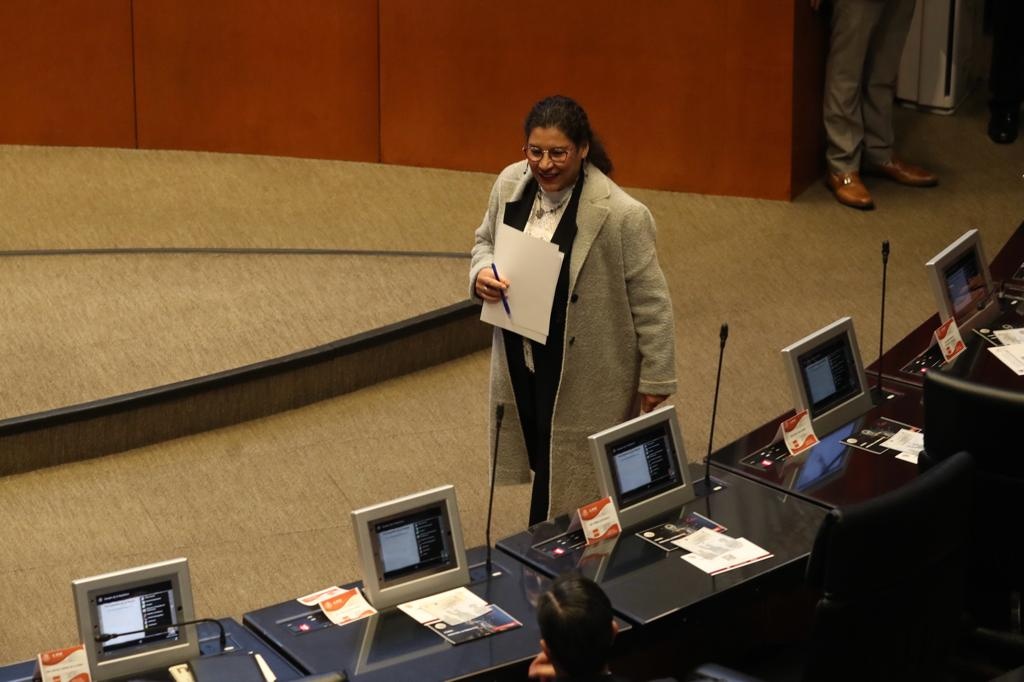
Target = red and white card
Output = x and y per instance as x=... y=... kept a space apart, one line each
x=346 y=607
x=797 y=433
x=950 y=342
x=64 y=665
x=599 y=520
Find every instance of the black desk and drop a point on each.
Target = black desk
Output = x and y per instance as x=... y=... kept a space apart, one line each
x=646 y=584
x=831 y=473
x=238 y=638
x=392 y=646
x=976 y=363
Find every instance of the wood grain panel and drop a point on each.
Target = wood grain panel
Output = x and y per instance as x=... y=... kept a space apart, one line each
x=689 y=95
x=259 y=76
x=810 y=49
x=66 y=73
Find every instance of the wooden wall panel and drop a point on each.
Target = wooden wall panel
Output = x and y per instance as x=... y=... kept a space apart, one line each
x=259 y=76
x=66 y=73
x=689 y=95
x=810 y=49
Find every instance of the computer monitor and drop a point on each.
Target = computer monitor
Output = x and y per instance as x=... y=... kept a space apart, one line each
x=641 y=464
x=155 y=596
x=960 y=280
x=827 y=376
x=411 y=547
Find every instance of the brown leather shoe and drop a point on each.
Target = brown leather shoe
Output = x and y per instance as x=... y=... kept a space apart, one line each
x=850 y=191
x=904 y=173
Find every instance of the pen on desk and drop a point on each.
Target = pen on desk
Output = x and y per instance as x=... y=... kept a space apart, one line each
x=504 y=301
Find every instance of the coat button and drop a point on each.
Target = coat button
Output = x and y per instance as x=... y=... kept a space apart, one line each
x=574 y=298
x=572 y=340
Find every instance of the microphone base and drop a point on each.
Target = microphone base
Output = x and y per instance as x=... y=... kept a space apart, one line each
x=702 y=489
x=881 y=395
x=482 y=573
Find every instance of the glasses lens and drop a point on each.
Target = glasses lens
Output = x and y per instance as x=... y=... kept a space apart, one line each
x=557 y=155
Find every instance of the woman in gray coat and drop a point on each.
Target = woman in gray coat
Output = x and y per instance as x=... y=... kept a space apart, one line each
x=610 y=349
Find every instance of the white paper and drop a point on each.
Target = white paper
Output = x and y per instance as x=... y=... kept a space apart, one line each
x=908 y=457
x=1011 y=356
x=315 y=598
x=1009 y=337
x=453 y=607
x=716 y=553
x=907 y=442
x=531 y=267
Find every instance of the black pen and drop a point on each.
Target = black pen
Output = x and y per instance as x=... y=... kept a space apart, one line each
x=504 y=301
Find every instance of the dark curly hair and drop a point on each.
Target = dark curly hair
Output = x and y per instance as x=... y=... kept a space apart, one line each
x=568 y=116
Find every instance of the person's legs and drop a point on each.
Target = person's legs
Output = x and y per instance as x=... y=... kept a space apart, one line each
x=881 y=69
x=548 y=364
x=1006 y=79
x=853 y=23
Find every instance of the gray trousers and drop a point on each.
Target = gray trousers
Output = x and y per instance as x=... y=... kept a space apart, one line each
x=860 y=80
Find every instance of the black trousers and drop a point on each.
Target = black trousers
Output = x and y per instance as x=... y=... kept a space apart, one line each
x=540 y=388
x=1006 y=79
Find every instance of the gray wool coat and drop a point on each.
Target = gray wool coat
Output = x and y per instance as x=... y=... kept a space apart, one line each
x=619 y=333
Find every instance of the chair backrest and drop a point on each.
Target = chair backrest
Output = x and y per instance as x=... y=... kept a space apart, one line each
x=985 y=421
x=891 y=575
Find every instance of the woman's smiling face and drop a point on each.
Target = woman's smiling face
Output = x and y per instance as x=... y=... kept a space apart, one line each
x=554 y=160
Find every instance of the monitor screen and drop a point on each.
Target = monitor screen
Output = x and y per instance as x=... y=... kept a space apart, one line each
x=411 y=547
x=137 y=608
x=413 y=544
x=965 y=285
x=641 y=465
x=960 y=280
x=644 y=464
x=123 y=603
x=829 y=375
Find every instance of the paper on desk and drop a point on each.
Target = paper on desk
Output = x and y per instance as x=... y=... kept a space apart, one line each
x=452 y=607
x=1011 y=356
x=908 y=442
x=531 y=266
x=315 y=598
x=1009 y=337
x=716 y=553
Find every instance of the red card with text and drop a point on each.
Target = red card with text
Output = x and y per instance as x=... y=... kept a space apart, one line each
x=599 y=520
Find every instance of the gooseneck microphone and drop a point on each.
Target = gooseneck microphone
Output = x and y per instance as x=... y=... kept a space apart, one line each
x=223 y=638
x=881 y=323
x=499 y=414
x=723 y=335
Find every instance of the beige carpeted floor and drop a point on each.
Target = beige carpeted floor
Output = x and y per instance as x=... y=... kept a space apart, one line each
x=261 y=509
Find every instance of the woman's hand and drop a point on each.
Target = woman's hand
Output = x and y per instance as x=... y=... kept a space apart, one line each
x=541 y=668
x=649 y=402
x=488 y=288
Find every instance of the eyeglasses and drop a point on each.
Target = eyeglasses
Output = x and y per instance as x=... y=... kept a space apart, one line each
x=557 y=155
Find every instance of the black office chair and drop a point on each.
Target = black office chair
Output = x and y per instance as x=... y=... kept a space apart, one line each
x=891 y=574
x=985 y=421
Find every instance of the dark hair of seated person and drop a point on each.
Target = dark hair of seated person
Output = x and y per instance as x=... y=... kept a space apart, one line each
x=576 y=622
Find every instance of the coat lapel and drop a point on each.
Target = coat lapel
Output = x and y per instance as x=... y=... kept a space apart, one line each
x=590 y=218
